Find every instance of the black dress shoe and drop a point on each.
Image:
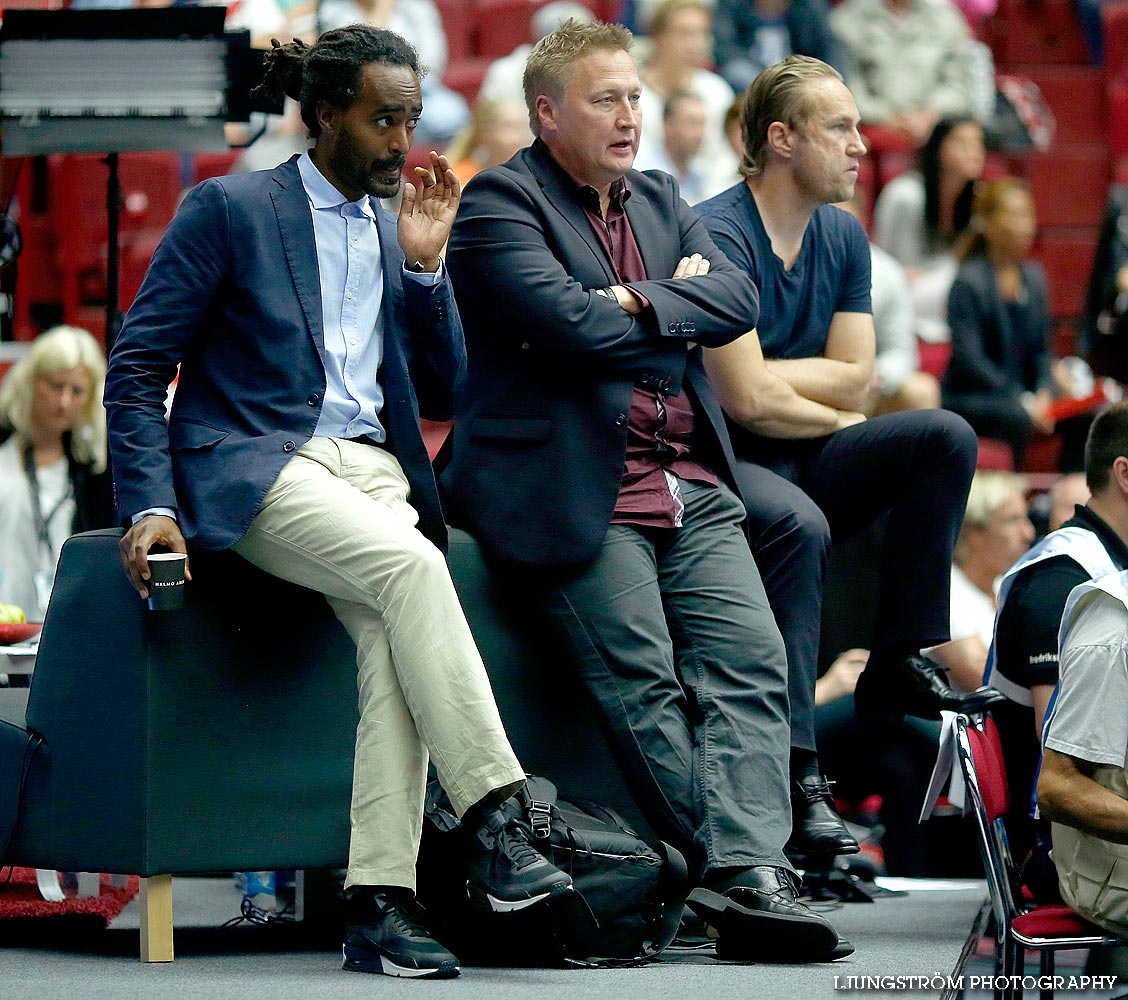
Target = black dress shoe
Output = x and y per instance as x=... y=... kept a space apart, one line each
x=761 y=919
x=504 y=872
x=815 y=827
x=386 y=934
x=916 y=686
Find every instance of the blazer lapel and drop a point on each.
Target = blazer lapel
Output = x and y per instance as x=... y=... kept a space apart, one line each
x=393 y=369
x=645 y=223
x=295 y=226
x=563 y=199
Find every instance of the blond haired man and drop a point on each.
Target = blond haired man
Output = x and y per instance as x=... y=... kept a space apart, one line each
x=827 y=473
x=592 y=462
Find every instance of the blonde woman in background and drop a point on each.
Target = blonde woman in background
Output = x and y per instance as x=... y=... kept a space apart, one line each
x=53 y=476
x=995 y=533
x=497 y=129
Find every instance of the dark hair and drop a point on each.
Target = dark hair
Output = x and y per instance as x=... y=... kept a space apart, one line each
x=929 y=160
x=330 y=69
x=1107 y=441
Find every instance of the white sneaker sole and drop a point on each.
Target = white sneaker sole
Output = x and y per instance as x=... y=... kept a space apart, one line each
x=385 y=966
x=511 y=905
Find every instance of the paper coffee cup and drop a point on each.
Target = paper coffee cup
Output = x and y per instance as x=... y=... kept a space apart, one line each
x=166 y=582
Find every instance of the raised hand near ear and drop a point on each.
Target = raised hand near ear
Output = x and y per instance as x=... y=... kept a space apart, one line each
x=427 y=212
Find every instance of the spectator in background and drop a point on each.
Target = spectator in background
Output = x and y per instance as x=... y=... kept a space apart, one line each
x=750 y=35
x=421 y=24
x=1002 y=377
x=680 y=33
x=921 y=217
x=1104 y=323
x=497 y=129
x=53 y=478
x=996 y=531
x=1069 y=491
x=504 y=79
x=684 y=120
x=908 y=63
x=900 y=385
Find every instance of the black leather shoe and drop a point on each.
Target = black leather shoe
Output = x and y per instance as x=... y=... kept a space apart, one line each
x=761 y=919
x=385 y=933
x=504 y=871
x=815 y=827
x=916 y=686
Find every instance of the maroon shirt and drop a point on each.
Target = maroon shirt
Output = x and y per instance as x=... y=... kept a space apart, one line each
x=659 y=426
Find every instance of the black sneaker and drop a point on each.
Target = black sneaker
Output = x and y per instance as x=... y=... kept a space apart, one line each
x=385 y=934
x=504 y=871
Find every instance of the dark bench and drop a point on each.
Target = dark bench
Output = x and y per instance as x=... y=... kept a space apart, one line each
x=220 y=737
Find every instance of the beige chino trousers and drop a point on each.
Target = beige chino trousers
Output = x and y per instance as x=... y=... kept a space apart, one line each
x=337 y=520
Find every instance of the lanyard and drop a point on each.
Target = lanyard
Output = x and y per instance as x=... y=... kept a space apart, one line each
x=42 y=523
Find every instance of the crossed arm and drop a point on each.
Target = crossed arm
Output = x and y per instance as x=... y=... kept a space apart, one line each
x=797 y=397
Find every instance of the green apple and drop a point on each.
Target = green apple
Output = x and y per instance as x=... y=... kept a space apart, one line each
x=10 y=613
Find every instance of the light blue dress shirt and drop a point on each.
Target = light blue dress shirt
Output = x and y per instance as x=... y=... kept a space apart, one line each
x=350 y=266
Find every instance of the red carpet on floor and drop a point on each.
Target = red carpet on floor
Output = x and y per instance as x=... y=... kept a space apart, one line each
x=20 y=899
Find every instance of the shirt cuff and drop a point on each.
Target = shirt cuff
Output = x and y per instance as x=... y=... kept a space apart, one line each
x=160 y=511
x=425 y=277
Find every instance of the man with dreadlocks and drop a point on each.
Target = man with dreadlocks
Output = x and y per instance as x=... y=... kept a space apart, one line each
x=305 y=318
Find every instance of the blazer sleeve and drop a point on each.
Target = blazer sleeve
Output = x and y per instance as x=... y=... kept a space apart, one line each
x=511 y=263
x=186 y=272
x=713 y=310
x=437 y=351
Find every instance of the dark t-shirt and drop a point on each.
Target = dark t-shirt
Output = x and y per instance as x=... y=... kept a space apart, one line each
x=1026 y=653
x=830 y=275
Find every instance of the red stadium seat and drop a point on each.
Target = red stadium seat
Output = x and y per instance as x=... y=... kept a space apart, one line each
x=1031 y=32
x=458 y=25
x=465 y=76
x=1067 y=256
x=150 y=188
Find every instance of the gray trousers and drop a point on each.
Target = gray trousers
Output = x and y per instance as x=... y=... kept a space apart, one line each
x=672 y=634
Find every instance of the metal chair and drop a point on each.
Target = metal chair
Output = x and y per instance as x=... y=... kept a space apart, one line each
x=1046 y=928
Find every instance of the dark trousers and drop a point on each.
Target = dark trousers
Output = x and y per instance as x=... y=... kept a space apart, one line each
x=915 y=468
x=671 y=632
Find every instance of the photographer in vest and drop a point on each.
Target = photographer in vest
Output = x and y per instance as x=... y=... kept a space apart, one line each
x=1023 y=660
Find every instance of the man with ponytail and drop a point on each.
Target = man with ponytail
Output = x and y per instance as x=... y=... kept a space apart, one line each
x=312 y=329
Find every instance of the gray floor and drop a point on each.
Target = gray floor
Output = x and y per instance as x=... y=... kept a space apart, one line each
x=918 y=934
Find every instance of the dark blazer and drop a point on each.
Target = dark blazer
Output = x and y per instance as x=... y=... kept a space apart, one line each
x=233 y=294
x=989 y=353
x=540 y=434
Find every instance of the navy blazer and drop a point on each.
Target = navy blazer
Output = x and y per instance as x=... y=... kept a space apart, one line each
x=990 y=354
x=541 y=432
x=233 y=295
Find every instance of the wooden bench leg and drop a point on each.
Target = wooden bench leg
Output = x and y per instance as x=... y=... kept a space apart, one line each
x=156 y=918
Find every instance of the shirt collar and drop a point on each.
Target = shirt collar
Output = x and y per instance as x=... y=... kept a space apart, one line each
x=322 y=194
x=1085 y=517
x=586 y=194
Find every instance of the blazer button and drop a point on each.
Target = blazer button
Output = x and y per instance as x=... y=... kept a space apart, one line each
x=691 y=327
x=620 y=420
x=673 y=327
x=288 y=447
x=314 y=399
